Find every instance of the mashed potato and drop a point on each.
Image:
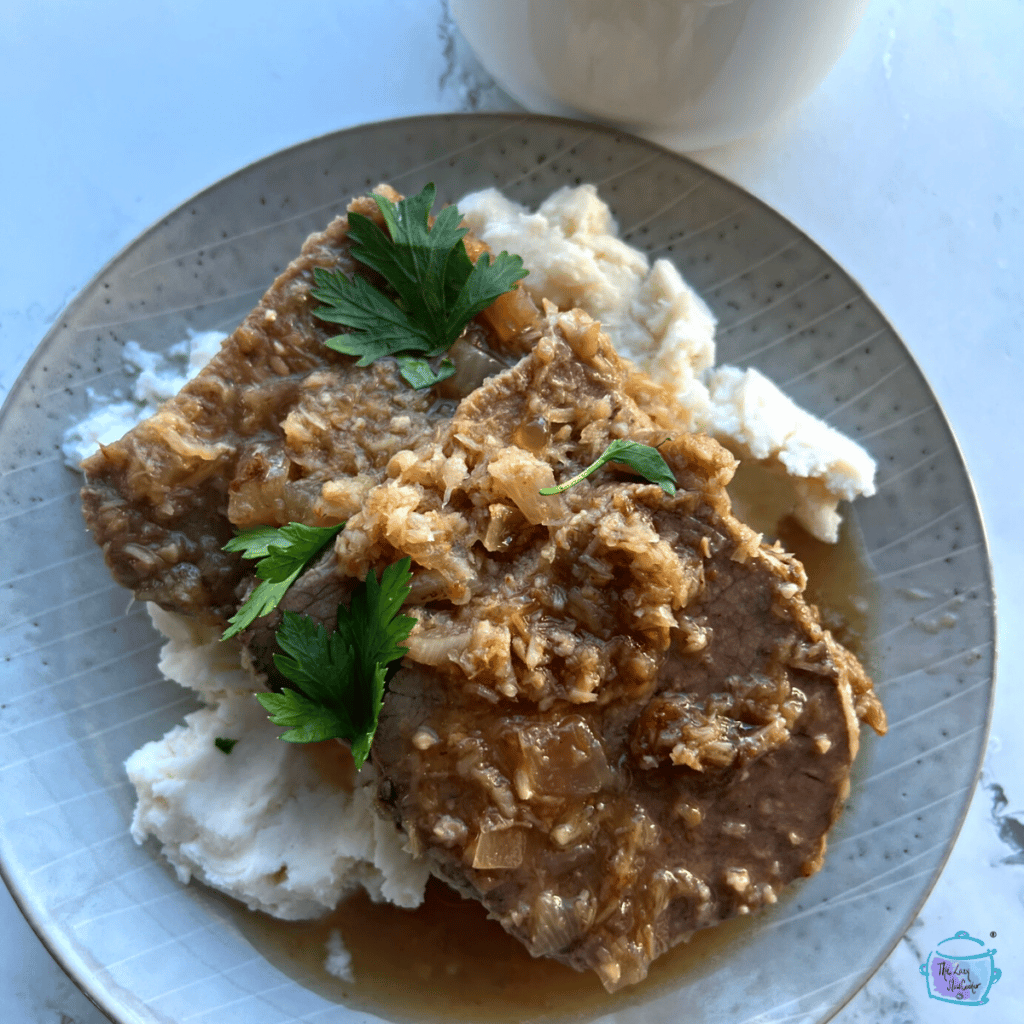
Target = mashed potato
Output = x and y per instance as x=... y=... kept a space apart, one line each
x=653 y=316
x=575 y=259
x=263 y=823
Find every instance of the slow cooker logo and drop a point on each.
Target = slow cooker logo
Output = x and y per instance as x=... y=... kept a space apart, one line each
x=958 y=971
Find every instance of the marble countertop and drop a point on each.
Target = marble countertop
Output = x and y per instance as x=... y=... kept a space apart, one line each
x=905 y=165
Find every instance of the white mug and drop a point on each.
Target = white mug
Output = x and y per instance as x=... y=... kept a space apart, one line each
x=697 y=73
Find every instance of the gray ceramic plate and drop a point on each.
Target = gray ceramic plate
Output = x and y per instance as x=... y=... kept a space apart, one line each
x=78 y=685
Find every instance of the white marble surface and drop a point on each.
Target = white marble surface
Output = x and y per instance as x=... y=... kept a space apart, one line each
x=905 y=166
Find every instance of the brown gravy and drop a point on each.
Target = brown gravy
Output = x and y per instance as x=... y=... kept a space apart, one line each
x=838 y=576
x=447 y=961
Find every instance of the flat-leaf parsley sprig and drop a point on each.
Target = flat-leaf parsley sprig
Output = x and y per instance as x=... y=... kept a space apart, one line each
x=439 y=287
x=342 y=675
x=283 y=554
x=644 y=460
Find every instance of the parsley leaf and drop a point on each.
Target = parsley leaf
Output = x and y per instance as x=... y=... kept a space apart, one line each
x=283 y=554
x=439 y=288
x=224 y=745
x=420 y=374
x=342 y=675
x=641 y=458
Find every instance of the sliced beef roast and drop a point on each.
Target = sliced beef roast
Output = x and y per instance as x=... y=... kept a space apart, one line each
x=619 y=720
x=277 y=428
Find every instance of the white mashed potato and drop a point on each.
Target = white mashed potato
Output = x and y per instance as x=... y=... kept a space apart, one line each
x=754 y=418
x=655 y=318
x=263 y=823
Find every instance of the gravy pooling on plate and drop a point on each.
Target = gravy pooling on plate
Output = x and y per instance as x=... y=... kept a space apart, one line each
x=609 y=693
x=447 y=950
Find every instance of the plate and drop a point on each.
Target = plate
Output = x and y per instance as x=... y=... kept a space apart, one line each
x=79 y=690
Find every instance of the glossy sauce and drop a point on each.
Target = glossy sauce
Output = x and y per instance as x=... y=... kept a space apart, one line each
x=838 y=577
x=447 y=961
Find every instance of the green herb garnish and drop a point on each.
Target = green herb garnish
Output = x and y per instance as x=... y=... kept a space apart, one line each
x=342 y=675
x=641 y=458
x=284 y=553
x=439 y=288
x=223 y=744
